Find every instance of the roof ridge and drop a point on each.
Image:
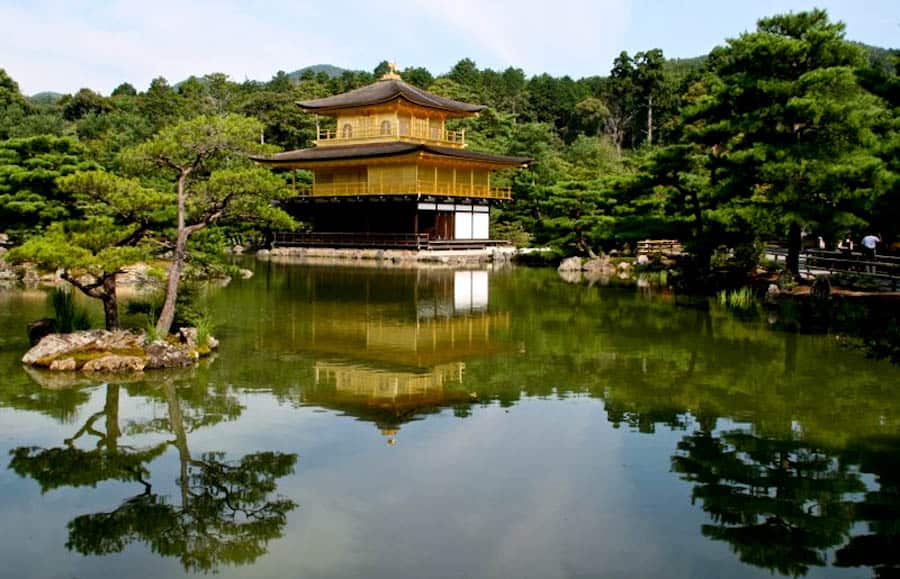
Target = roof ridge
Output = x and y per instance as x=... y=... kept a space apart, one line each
x=386 y=90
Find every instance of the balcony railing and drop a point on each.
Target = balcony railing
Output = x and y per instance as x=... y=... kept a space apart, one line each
x=422 y=187
x=375 y=134
x=378 y=240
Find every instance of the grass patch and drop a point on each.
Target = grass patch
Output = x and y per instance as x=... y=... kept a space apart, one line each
x=741 y=300
x=68 y=317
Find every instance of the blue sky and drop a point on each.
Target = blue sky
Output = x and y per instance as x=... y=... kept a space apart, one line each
x=63 y=45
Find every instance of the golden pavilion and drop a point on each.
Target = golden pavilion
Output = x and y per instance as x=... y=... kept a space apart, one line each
x=391 y=174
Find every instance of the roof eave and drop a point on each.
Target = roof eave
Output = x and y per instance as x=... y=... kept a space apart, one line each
x=306 y=106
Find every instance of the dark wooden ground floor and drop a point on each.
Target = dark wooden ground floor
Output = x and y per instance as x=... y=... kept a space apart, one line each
x=390 y=223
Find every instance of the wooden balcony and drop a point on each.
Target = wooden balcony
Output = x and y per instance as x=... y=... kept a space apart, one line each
x=376 y=135
x=422 y=187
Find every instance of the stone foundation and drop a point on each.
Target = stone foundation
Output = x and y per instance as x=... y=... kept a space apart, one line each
x=392 y=257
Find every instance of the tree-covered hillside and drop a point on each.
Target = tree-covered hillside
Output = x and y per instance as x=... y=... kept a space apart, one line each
x=790 y=129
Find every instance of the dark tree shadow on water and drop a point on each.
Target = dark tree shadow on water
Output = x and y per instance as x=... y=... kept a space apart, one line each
x=225 y=512
x=780 y=504
x=879 y=546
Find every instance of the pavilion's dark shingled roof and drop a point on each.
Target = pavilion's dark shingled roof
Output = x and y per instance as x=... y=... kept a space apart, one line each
x=384 y=150
x=385 y=91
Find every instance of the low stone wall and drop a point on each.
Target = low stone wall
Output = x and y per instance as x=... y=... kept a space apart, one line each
x=392 y=257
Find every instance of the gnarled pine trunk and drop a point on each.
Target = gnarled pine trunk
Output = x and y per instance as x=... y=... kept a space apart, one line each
x=110 y=303
x=167 y=315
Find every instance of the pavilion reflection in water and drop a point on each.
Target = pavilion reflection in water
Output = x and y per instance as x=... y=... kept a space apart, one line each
x=399 y=351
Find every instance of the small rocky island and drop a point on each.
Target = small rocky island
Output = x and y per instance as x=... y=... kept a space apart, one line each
x=118 y=351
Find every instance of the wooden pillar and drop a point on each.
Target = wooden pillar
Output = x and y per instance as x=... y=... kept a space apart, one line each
x=471 y=182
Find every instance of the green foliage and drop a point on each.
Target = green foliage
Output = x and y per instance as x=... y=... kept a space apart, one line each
x=29 y=195
x=855 y=282
x=80 y=247
x=787 y=131
x=149 y=328
x=741 y=300
x=205 y=327
x=190 y=308
x=67 y=315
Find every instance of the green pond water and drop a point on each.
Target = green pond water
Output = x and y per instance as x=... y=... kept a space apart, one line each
x=402 y=423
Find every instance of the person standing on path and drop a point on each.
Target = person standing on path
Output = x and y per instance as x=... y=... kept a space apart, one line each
x=869 y=243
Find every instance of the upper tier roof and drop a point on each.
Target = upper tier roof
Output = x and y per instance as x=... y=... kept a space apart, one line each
x=319 y=154
x=384 y=91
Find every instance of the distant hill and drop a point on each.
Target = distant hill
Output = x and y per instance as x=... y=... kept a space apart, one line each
x=879 y=56
x=45 y=98
x=681 y=67
x=331 y=70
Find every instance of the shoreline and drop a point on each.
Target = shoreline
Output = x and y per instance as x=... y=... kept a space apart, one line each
x=399 y=258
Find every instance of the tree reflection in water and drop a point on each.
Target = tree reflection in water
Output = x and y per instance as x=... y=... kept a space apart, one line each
x=780 y=504
x=226 y=513
x=879 y=548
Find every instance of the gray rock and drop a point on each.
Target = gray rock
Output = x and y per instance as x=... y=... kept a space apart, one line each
x=30 y=276
x=570 y=264
x=165 y=355
x=599 y=266
x=820 y=288
x=642 y=259
x=60 y=345
x=114 y=363
x=7 y=273
x=139 y=274
x=63 y=365
x=56 y=345
x=246 y=273
x=121 y=340
x=188 y=337
x=263 y=253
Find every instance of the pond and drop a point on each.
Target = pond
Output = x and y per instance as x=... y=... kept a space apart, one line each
x=424 y=423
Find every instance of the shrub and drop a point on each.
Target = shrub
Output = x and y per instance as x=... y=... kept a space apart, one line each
x=205 y=327
x=741 y=300
x=67 y=315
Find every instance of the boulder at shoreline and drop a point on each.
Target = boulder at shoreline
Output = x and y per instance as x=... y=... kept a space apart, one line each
x=116 y=351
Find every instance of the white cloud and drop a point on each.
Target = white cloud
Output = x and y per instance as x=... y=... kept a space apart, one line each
x=65 y=45
x=60 y=46
x=578 y=37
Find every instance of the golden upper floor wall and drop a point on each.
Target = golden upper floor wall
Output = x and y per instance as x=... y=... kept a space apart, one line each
x=409 y=178
x=395 y=121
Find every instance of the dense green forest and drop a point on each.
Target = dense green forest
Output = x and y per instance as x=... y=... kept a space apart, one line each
x=789 y=130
